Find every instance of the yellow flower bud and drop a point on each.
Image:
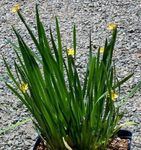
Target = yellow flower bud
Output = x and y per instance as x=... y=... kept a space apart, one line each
x=114 y=95
x=15 y=8
x=102 y=50
x=24 y=87
x=111 y=26
x=70 y=52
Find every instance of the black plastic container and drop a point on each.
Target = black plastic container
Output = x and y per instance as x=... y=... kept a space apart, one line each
x=123 y=134
x=37 y=143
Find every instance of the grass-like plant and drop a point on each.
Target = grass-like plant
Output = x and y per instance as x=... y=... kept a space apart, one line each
x=68 y=114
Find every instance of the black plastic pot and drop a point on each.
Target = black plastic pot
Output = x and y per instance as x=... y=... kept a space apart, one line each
x=37 y=143
x=123 y=134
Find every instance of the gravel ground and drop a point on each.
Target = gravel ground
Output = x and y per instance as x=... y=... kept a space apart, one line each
x=86 y=14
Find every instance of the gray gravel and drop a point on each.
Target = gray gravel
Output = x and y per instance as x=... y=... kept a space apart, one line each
x=86 y=14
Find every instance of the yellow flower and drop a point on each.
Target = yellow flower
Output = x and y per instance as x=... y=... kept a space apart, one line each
x=114 y=95
x=15 y=8
x=70 y=52
x=102 y=50
x=111 y=26
x=24 y=87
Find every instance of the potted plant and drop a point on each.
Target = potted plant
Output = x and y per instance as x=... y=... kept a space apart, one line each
x=68 y=112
